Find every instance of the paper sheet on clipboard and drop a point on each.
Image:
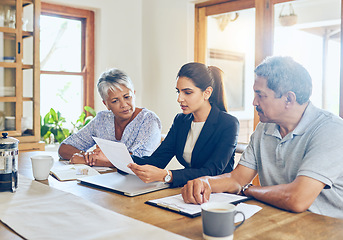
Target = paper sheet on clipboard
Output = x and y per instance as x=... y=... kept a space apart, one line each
x=117 y=153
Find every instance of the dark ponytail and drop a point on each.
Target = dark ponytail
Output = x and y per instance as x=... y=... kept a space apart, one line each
x=204 y=77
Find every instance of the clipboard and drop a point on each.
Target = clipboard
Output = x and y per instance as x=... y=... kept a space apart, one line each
x=176 y=204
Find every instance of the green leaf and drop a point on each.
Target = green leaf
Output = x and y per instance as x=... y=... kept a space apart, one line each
x=52 y=123
x=90 y=110
x=46 y=118
x=60 y=136
x=59 y=115
x=81 y=118
x=50 y=120
x=66 y=132
x=54 y=115
x=43 y=130
x=88 y=119
x=47 y=135
x=54 y=131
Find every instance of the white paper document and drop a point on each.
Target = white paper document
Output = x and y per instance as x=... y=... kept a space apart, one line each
x=177 y=204
x=116 y=152
x=247 y=209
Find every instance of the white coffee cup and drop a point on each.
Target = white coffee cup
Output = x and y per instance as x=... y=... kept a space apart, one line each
x=218 y=220
x=41 y=165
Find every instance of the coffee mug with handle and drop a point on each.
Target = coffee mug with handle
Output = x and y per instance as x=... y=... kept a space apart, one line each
x=218 y=220
x=41 y=166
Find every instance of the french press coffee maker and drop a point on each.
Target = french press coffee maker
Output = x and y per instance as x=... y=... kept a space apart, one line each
x=8 y=163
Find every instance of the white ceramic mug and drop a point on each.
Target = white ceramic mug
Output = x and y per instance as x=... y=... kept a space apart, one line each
x=218 y=220
x=41 y=165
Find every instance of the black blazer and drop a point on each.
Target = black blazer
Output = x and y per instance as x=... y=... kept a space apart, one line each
x=213 y=153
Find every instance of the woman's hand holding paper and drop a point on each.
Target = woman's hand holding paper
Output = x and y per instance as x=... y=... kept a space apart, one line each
x=148 y=173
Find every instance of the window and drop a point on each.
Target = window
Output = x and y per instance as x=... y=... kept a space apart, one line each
x=314 y=41
x=67 y=60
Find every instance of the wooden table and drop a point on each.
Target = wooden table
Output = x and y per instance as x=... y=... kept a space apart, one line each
x=269 y=223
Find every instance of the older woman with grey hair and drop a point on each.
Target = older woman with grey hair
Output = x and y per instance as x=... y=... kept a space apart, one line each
x=138 y=128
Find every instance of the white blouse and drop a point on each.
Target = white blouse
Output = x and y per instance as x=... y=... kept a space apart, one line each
x=192 y=138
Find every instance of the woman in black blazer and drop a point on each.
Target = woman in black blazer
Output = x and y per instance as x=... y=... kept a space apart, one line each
x=203 y=138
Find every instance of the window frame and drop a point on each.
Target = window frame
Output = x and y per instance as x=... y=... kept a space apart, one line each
x=87 y=52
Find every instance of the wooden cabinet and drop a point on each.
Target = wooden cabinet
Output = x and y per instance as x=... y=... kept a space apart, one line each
x=20 y=71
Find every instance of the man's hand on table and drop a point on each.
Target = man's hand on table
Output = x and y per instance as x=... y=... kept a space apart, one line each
x=197 y=191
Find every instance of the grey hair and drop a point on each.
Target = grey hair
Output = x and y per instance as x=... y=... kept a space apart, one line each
x=283 y=74
x=111 y=80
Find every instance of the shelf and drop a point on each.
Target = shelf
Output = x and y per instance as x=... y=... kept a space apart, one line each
x=8 y=64
x=24 y=147
x=8 y=99
x=8 y=30
x=12 y=133
x=19 y=73
x=13 y=99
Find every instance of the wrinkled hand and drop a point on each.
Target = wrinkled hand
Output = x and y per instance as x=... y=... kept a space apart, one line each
x=77 y=158
x=197 y=191
x=148 y=173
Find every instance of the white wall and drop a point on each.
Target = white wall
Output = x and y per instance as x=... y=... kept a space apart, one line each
x=148 y=39
x=168 y=38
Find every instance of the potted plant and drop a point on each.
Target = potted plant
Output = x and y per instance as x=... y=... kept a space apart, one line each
x=51 y=127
